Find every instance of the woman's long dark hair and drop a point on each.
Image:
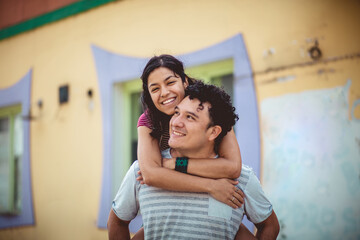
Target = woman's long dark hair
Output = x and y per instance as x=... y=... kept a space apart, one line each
x=159 y=120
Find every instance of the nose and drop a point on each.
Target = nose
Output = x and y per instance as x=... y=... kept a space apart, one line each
x=164 y=92
x=177 y=121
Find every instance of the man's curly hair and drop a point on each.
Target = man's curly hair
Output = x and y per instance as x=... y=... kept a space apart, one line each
x=221 y=113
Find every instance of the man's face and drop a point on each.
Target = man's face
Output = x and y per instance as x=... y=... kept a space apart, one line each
x=189 y=126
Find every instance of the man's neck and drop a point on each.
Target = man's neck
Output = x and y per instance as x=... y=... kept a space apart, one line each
x=204 y=153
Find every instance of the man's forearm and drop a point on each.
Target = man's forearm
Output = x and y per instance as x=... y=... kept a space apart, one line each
x=117 y=228
x=269 y=229
x=266 y=233
x=244 y=234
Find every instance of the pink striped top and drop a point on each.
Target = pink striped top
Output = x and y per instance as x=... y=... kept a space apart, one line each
x=164 y=140
x=144 y=121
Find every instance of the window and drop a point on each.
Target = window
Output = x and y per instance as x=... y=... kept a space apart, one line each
x=225 y=81
x=136 y=111
x=15 y=182
x=126 y=112
x=217 y=73
x=10 y=156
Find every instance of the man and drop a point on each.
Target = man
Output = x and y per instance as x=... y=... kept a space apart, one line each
x=200 y=121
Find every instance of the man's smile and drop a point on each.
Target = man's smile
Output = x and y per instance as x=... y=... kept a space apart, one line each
x=176 y=133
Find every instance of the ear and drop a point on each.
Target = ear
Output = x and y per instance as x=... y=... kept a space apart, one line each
x=214 y=132
x=186 y=83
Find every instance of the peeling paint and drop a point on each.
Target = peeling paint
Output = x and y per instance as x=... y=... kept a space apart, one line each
x=279 y=79
x=270 y=51
x=311 y=163
x=324 y=70
x=302 y=52
x=286 y=78
x=355 y=104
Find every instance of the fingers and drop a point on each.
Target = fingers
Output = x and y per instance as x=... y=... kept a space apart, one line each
x=237 y=197
x=233 y=205
x=140 y=178
x=238 y=200
x=225 y=191
x=233 y=182
x=240 y=195
x=239 y=191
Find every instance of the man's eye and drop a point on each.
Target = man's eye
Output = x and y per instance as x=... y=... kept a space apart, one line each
x=190 y=117
x=171 y=82
x=176 y=113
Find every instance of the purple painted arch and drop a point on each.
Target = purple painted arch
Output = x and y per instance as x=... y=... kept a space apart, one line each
x=113 y=68
x=19 y=93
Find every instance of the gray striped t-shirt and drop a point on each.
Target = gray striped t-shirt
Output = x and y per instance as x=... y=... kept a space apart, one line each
x=182 y=215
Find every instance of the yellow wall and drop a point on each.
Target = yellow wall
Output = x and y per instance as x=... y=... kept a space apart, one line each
x=66 y=141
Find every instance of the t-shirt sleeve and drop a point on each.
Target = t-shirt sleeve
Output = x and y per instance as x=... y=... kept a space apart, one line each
x=257 y=207
x=144 y=120
x=126 y=202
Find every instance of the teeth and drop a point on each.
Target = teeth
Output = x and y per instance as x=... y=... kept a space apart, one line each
x=168 y=101
x=178 y=133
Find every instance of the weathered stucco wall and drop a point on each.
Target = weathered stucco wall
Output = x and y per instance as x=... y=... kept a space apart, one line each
x=66 y=141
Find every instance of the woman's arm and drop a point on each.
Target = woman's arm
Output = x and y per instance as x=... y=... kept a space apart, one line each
x=227 y=166
x=154 y=174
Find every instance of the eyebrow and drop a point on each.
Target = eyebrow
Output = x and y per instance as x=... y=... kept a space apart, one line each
x=188 y=112
x=193 y=114
x=154 y=84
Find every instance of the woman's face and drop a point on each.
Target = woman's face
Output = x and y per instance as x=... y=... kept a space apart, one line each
x=166 y=89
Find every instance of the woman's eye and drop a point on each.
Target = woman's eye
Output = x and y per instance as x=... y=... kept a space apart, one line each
x=176 y=113
x=154 y=90
x=190 y=117
x=171 y=82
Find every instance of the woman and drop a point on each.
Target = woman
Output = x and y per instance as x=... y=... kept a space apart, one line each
x=164 y=83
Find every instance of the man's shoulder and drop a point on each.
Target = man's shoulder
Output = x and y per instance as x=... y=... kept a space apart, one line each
x=246 y=171
x=258 y=207
x=135 y=164
x=134 y=168
x=246 y=174
x=166 y=153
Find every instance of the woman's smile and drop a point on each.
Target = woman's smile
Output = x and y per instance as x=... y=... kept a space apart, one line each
x=166 y=89
x=169 y=101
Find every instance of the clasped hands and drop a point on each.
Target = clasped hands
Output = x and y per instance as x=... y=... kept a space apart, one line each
x=223 y=189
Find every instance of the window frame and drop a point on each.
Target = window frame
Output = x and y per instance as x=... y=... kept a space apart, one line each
x=11 y=112
x=19 y=94
x=113 y=68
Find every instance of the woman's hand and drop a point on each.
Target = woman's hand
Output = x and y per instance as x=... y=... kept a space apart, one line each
x=140 y=177
x=225 y=190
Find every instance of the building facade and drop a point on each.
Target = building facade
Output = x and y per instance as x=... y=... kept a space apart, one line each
x=69 y=90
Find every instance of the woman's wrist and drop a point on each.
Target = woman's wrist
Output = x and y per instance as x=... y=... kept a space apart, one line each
x=181 y=164
x=169 y=163
x=209 y=186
